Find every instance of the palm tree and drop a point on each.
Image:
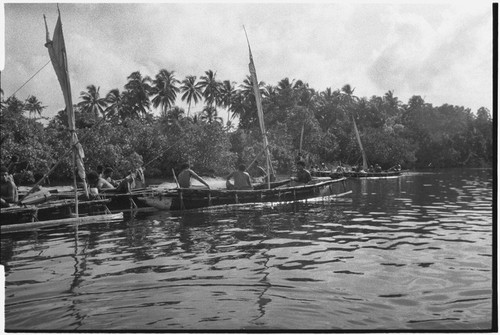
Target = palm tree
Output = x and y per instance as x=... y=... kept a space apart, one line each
x=138 y=92
x=347 y=97
x=92 y=102
x=239 y=105
x=175 y=114
x=211 y=88
x=348 y=91
x=270 y=91
x=247 y=88
x=209 y=114
x=393 y=102
x=2 y=102
x=227 y=92
x=33 y=106
x=286 y=84
x=304 y=94
x=114 y=101
x=191 y=91
x=165 y=89
x=13 y=105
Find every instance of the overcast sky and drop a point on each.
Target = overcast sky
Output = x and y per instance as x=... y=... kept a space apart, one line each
x=442 y=51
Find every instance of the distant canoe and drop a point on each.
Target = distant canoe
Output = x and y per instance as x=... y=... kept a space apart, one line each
x=357 y=175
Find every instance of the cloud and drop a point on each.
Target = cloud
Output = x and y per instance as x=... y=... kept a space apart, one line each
x=442 y=52
x=425 y=58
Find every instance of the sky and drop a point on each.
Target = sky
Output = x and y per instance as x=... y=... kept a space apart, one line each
x=441 y=51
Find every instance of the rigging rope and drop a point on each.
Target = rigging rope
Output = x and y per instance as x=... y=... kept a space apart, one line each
x=29 y=79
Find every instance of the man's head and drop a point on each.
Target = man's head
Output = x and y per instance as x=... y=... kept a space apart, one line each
x=92 y=177
x=108 y=171
x=4 y=173
x=242 y=167
x=185 y=166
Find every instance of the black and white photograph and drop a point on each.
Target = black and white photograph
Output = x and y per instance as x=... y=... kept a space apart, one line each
x=248 y=166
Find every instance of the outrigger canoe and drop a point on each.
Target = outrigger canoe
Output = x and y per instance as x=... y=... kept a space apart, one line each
x=356 y=175
x=193 y=198
x=51 y=210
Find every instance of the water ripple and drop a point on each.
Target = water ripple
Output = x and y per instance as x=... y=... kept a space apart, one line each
x=413 y=253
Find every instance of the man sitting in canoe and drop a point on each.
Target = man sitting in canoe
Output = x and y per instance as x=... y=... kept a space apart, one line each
x=303 y=175
x=241 y=179
x=260 y=174
x=107 y=174
x=97 y=183
x=8 y=188
x=184 y=177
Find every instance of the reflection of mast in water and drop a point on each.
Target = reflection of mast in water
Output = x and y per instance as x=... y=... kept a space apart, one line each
x=187 y=222
x=76 y=274
x=77 y=279
x=364 y=186
x=261 y=300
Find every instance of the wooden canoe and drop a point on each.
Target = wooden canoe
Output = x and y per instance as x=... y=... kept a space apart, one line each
x=50 y=210
x=191 y=198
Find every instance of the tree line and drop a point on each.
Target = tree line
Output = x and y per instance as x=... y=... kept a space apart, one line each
x=120 y=129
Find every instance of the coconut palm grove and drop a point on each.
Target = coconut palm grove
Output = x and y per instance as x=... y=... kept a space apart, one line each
x=140 y=125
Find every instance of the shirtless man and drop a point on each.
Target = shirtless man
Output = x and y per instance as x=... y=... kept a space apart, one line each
x=8 y=188
x=303 y=175
x=184 y=177
x=97 y=183
x=241 y=179
x=107 y=175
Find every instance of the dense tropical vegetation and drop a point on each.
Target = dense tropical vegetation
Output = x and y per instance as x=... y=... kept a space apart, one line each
x=120 y=129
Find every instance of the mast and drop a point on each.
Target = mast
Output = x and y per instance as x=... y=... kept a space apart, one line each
x=59 y=59
x=365 y=163
x=301 y=138
x=260 y=113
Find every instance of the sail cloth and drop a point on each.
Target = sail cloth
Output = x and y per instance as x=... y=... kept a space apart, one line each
x=256 y=91
x=363 y=154
x=258 y=100
x=58 y=57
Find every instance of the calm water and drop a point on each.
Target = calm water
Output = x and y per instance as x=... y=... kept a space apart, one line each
x=413 y=253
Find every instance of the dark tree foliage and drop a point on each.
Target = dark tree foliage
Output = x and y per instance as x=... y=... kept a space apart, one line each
x=121 y=130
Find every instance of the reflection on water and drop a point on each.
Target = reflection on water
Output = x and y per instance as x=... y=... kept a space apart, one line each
x=408 y=253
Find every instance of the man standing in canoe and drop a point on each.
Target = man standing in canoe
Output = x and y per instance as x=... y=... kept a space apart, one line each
x=185 y=175
x=8 y=188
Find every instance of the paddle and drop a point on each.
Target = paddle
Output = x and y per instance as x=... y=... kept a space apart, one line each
x=175 y=178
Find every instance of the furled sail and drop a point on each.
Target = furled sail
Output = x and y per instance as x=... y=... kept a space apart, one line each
x=258 y=101
x=365 y=163
x=58 y=57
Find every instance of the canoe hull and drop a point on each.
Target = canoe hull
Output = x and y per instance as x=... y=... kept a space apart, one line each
x=50 y=210
x=186 y=199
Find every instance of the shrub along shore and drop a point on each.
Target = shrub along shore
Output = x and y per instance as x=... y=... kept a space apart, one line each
x=120 y=129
